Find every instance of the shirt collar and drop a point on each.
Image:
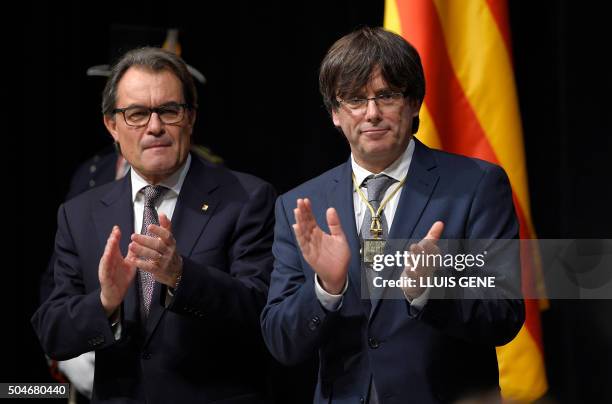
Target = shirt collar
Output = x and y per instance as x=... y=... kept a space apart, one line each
x=396 y=170
x=173 y=182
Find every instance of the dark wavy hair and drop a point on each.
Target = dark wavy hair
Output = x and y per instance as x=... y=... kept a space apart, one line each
x=351 y=60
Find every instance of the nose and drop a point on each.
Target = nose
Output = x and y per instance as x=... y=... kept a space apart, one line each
x=155 y=126
x=373 y=111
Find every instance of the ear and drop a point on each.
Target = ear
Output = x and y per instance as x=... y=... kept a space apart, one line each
x=111 y=125
x=415 y=105
x=191 y=115
x=335 y=118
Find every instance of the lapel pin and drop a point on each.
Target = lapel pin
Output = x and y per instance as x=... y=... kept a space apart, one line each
x=205 y=207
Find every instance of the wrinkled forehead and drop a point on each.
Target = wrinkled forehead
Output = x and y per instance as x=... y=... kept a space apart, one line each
x=143 y=83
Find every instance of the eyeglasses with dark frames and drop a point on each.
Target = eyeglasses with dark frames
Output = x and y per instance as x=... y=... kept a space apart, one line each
x=139 y=116
x=384 y=100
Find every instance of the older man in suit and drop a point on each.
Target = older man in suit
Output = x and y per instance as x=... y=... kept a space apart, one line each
x=428 y=345
x=163 y=273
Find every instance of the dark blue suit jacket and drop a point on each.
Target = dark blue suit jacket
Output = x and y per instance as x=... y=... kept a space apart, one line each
x=439 y=354
x=206 y=346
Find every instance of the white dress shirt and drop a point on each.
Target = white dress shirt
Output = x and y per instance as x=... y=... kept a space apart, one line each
x=165 y=205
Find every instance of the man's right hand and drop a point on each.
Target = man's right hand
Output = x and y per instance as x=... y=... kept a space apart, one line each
x=115 y=272
x=327 y=254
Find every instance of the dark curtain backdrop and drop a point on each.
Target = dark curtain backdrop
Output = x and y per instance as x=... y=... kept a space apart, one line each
x=261 y=111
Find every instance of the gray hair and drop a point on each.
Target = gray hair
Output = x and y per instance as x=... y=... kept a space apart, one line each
x=156 y=60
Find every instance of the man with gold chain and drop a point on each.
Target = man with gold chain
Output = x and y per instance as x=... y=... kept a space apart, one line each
x=416 y=348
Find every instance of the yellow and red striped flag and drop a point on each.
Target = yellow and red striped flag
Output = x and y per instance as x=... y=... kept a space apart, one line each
x=471 y=108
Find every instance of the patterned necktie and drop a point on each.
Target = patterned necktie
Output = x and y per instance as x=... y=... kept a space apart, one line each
x=376 y=187
x=152 y=193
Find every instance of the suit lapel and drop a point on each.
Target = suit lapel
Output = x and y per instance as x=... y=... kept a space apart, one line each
x=420 y=183
x=116 y=208
x=189 y=219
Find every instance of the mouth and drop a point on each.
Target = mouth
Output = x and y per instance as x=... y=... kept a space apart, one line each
x=374 y=132
x=156 y=146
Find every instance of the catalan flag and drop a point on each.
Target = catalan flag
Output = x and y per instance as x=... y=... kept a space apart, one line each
x=471 y=108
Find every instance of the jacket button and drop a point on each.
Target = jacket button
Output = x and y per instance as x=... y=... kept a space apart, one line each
x=373 y=342
x=314 y=323
x=146 y=355
x=361 y=400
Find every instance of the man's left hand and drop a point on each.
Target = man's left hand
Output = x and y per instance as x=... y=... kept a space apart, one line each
x=427 y=246
x=157 y=254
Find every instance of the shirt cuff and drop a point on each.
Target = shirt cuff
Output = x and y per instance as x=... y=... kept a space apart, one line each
x=417 y=304
x=115 y=321
x=328 y=301
x=169 y=297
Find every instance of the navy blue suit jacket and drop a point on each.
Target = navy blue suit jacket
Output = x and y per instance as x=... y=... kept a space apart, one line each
x=439 y=354
x=206 y=346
